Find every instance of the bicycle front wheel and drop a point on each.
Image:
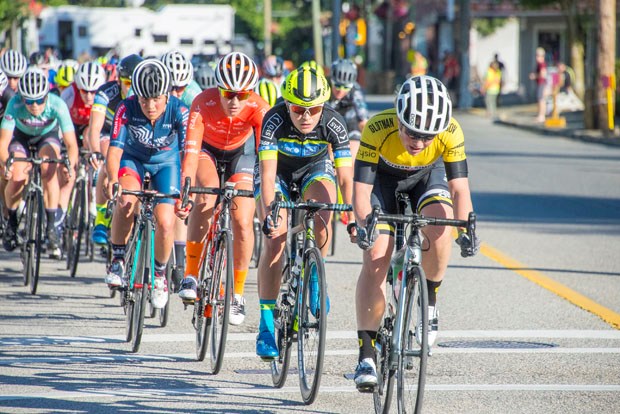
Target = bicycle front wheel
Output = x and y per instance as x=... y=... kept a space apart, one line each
x=283 y=332
x=221 y=295
x=75 y=229
x=312 y=325
x=34 y=230
x=413 y=357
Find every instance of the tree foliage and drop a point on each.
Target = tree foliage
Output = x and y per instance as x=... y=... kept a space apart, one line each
x=11 y=11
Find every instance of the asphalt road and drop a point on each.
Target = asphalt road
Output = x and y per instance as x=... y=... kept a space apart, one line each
x=528 y=325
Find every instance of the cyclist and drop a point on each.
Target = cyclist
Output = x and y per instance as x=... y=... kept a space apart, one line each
x=33 y=116
x=348 y=100
x=224 y=126
x=205 y=76
x=273 y=69
x=294 y=145
x=6 y=93
x=107 y=99
x=268 y=90
x=418 y=140
x=14 y=65
x=64 y=77
x=147 y=135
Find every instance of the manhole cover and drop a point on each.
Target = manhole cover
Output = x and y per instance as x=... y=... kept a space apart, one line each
x=496 y=344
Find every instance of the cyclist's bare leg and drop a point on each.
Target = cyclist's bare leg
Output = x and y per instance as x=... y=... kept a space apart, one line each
x=439 y=240
x=15 y=186
x=242 y=213
x=370 y=289
x=122 y=219
x=66 y=186
x=51 y=187
x=270 y=263
x=322 y=191
x=164 y=231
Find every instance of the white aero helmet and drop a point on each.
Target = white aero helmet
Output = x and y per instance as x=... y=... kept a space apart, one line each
x=236 y=72
x=423 y=105
x=13 y=63
x=151 y=79
x=181 y=69
x=33 y=84
x=4 y=82
x=89 y=76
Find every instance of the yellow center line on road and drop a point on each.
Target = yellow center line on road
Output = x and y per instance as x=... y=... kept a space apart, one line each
x=606 y=314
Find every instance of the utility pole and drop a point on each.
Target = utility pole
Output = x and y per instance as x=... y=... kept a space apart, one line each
x=267 y=28
x=336 y=9
x=465 y=98
x=606 y=58
x=317 y=32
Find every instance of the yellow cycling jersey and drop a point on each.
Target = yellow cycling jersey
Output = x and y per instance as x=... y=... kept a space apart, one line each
x=381 y=150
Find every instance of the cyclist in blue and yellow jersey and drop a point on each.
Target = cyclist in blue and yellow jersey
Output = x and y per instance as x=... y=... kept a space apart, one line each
x=348 y=100
x=107 y=99
x=147 y=136
x=32 y=118
x=296 y=135
x=181 y=70
x=418 y=141
x=14 y=65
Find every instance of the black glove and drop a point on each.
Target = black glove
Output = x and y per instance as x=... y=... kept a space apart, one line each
x=267 y=225
x=468 y=247
x=364 y=240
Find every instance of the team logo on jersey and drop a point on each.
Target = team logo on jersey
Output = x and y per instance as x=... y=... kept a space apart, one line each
x=120 y=119
x=272 y=124
x=338 y=129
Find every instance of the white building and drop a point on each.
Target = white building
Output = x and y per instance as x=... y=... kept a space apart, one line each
x=192 y=29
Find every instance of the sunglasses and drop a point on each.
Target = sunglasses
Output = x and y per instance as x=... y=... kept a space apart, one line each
x=178 y=88
x=85 y=92
x=39 y=101
x=342 y=87
x=301 y=110
x=417 y=136
x=230 y=95
x=125 y=81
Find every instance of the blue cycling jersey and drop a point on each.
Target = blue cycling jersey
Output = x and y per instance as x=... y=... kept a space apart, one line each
x=134 y=133
x=55 y=113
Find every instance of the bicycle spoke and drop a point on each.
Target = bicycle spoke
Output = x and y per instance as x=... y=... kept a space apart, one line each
x=283 y=332
x=222 y=295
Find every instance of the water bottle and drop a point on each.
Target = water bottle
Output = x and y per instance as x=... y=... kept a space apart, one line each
x=396 y=267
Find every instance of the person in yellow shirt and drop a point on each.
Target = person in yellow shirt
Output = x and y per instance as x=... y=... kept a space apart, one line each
x=491 y=87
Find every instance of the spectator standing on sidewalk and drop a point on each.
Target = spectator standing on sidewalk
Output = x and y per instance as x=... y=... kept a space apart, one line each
x=540 y=76
x=451 y=73
x=491 y=88
x=502 y=69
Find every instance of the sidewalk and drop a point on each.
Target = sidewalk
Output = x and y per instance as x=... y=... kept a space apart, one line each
x=523 y=116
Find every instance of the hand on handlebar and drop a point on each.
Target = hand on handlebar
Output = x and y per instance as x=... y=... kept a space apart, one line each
x=365 y=240
x=96 y=160
x=271 y=229
x=181 y=211
x=469 y=247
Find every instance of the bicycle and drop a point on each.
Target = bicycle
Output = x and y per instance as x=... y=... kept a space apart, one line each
x=293 y=318
x=78 y=221
x=258 y=242
x=215 y=280
x=34 y=214
x=400 y=340
x=139 y=260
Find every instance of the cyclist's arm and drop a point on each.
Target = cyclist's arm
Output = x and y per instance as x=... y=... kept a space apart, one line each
x=361 y=201
x=95 y=125
x=72 y=148
x=113 y=163
x=268 y=170
x=461 y=197
x=193 y=143
x=5 y=139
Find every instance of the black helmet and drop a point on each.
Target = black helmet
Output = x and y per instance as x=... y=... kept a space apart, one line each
x=127 y=65
x=36 y=58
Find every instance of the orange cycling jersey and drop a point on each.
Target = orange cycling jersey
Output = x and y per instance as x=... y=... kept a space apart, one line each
x=209 y=123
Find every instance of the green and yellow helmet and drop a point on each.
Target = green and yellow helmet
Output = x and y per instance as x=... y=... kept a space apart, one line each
x=306 y=87
x=312 y=64
x=268 y=90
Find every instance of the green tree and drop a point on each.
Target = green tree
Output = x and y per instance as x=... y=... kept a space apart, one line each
x=11 y=11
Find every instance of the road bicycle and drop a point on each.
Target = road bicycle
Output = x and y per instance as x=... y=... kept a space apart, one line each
x=293 y=316
x=34 y=214
x=402 y=348
x=139 y=276
x=215 y=280
x=79 y=222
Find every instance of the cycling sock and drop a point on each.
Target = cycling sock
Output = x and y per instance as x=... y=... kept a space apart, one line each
x=240 y=276
x=266 y=315
x=50 y=214
x=160 y=268
x=13 y=219
x=192 y=258
x=59 y=217
x=179 y=253
x=100 y=218
x=118 y=251
x=433 y=288
x=367 y=341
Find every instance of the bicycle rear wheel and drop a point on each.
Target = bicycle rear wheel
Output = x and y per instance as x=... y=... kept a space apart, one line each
x=283 y=332
x=413 y=358
x=34 y=229
x=311 y=328
x=386 y=377
x=164 y=312
x=222 y=298
x=202 y=307
x=75 y=229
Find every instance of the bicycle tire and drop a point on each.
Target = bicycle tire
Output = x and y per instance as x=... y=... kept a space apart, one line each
x=413 y=358
x=164 y=313
x=141 y=291
x=283 y=323
x=386 y=377
x=202 y=313
x=25 y=247
x=332 y=247
x=76 y=228
x=311 y=328
x=34 y=241
x=127 y=299
x=223 y=294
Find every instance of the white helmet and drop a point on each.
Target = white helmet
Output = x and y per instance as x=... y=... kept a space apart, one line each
x=236 y=72
x=33 y=84
x=13 y=63
x=89 y=76
x=423 y=105
x=4 y=82
x=181 y=69
x=151 y=79
x=205 y=76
